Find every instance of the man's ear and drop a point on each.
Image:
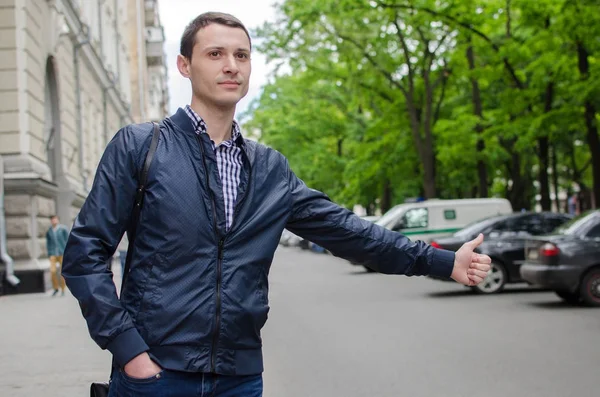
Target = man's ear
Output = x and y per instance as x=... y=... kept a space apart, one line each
x=183 y=65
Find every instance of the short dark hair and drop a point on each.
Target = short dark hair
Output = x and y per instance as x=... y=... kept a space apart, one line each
x=188 y=39
x=53 y=216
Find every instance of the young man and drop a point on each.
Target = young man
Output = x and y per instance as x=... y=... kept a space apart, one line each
x=56 y=240
x=195 y=299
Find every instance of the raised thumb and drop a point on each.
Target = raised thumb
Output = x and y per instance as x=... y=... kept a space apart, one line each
x=476 y=241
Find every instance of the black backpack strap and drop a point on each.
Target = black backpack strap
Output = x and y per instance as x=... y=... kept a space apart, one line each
x=139 y=201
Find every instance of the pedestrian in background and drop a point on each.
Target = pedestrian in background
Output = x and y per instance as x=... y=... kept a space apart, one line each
x=56 y=240
x=215 y=205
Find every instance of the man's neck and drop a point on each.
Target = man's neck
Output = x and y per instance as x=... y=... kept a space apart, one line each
x=218 y=120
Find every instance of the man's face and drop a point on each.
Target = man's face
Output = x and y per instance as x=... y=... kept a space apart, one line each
x=220 y=65
x=54 y=221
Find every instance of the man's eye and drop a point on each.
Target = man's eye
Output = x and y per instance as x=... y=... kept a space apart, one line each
x=243 y=55
x=214 y=54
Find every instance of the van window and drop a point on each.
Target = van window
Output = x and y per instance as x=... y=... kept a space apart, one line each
x=390 y=218
x=416 y=217
x=449 y=215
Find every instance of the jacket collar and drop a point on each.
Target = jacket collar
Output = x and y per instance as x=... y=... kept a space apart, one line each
x=183 y=122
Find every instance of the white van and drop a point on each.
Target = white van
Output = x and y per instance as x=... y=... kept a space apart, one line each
x=431 y=219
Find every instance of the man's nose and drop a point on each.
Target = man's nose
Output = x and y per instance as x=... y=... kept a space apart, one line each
x=231 y=65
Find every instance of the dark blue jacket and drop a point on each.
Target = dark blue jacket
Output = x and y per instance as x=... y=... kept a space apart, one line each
x=196 y=296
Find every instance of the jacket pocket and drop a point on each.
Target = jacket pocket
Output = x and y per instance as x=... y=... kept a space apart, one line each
x=262 y=286
x=146 y=292
x=262 y=291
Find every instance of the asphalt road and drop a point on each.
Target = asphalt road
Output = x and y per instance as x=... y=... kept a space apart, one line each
x=336 y=331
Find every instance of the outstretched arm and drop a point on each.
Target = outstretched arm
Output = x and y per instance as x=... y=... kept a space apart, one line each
x=316 y=218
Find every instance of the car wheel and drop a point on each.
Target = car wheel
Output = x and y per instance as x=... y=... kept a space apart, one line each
x=494 y=282
x=590 y=288
x=572 y=298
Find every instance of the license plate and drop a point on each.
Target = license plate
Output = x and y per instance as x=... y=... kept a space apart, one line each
x=533 y=254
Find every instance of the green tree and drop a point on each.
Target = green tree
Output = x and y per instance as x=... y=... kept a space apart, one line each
x=388 y=99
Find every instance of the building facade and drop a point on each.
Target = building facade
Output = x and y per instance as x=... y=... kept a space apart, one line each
x=72 y=73
x=150 y=96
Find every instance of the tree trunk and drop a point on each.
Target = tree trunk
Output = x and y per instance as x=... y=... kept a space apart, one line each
x=591 y=127
x=555 y=179
x=516 y=193
x=576 y=175
x=424 y=149
x=478 y=111
x=428 y=160
x=594 y=143
x=518 y=189
x=386 y=197
x=544 y=155
x=585 y=197
x=543 y=152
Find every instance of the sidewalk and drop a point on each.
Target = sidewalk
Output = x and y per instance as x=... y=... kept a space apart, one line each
x=45 y=347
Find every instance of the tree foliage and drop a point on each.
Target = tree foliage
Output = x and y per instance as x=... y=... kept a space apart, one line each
x=377 y=101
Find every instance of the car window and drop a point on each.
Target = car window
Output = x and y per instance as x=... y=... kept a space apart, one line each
x=534 y=225
x=500 y=227
x=522 y=224
x=594 y=232
x=479 y=226
x=416 y=217
x=554 y=222
x=578 y=224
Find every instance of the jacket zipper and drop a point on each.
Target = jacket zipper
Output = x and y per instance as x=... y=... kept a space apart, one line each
x=213 y=357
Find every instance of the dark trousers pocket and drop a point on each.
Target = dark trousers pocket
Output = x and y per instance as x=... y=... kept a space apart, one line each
x=123 y=385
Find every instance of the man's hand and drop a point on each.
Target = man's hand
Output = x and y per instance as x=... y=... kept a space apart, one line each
x=470 y=268
x=142 y=367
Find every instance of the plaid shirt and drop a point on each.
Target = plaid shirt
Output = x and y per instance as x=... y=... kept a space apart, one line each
x=229 y=162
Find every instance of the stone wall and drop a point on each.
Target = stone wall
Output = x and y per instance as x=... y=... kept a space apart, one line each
x=27 y=220
x=40 y=67
x=63 y=96
x=9 y=105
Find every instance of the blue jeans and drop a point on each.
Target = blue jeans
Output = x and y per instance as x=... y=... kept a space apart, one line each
x=182 y=384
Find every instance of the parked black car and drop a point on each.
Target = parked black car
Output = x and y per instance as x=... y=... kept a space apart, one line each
x=568 y=261
x=505 y=237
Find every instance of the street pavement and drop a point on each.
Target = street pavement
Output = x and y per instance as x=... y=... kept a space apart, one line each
x=335 y=330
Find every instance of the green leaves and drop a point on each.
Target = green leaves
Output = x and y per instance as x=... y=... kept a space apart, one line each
x=381 y=93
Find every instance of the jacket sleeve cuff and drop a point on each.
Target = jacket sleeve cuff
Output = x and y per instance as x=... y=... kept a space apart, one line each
x=442 y=263
x=126 y=346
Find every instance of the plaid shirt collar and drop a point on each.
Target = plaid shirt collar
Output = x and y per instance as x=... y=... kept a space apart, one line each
x=200 y=127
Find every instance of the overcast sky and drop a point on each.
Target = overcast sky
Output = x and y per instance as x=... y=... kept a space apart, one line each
x=176 y=14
